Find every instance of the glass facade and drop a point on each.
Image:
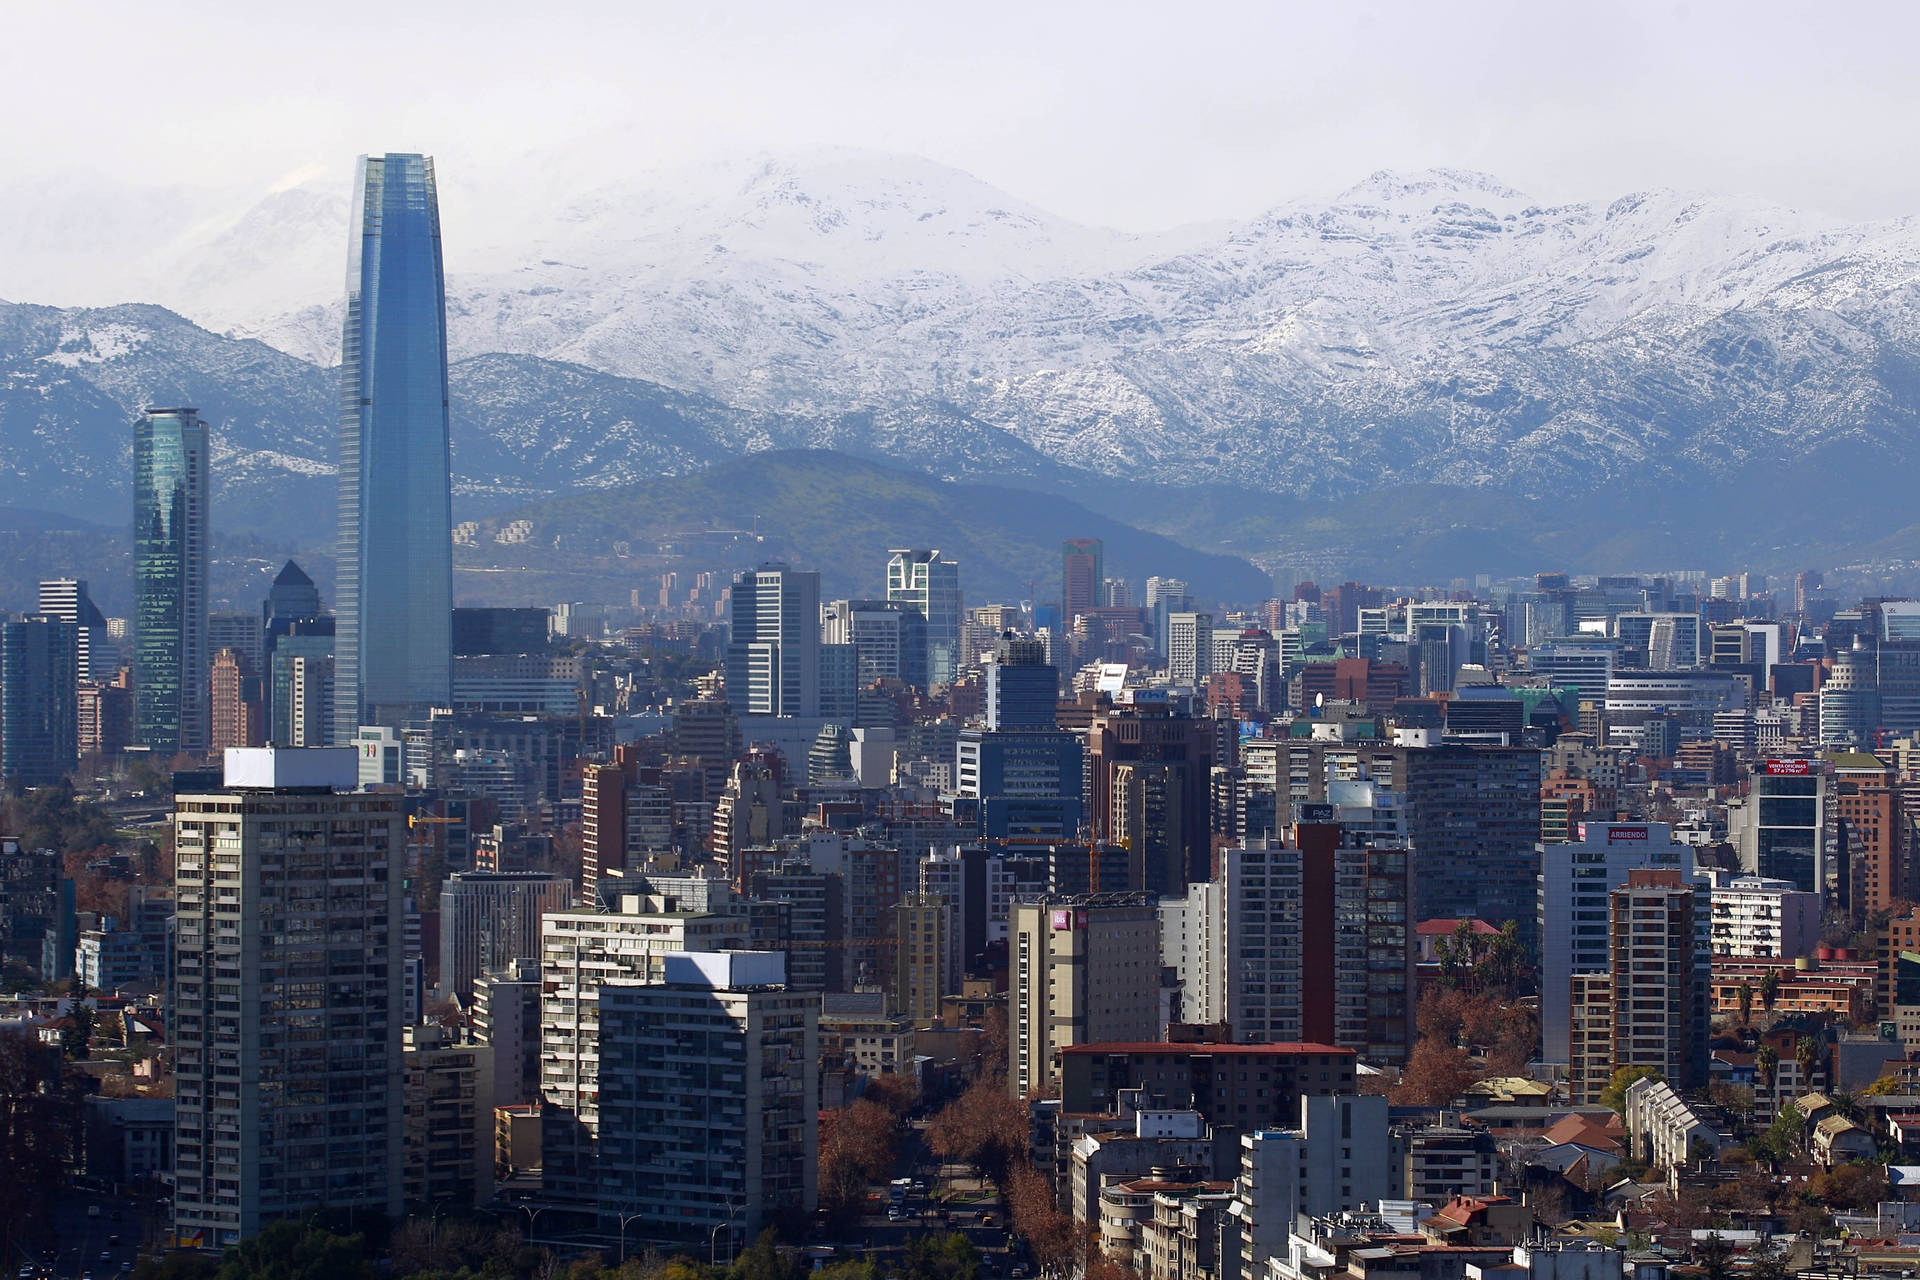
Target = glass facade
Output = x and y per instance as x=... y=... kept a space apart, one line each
x=393 y=653
x=39 y=707
x=170 y=658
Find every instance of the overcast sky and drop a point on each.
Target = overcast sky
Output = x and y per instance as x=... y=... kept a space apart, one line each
x=1137 y=116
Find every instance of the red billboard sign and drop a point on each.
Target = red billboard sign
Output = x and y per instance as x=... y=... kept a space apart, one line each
x=1789 y=768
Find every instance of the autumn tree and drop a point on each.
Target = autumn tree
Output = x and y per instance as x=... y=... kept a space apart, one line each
x=857 y=1147
x=1435 y=1075
x=985 y=1127
x=1037 y=1219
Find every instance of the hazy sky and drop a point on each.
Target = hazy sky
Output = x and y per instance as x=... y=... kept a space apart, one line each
x=1134 y=115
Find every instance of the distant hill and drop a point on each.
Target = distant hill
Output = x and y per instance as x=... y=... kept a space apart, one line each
x=839 y=514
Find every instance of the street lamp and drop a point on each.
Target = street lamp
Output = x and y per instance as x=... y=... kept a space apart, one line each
x=625 y=1218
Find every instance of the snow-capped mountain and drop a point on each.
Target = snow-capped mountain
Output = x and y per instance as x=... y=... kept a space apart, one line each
x=1430 y=327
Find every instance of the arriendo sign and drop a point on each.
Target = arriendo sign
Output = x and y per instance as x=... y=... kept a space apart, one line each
x=1617 y=834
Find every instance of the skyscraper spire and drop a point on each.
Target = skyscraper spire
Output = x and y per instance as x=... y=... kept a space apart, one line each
x=394 y=642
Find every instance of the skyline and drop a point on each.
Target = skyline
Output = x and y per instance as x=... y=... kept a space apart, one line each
x=1118 y=120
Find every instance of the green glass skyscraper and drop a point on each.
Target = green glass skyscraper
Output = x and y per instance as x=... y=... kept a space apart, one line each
x=394 y=646
x=171 y=666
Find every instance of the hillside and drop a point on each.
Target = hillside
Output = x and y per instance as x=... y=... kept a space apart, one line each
x=840 y=515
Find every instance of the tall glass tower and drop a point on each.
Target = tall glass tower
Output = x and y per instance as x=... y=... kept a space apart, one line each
x=394 y=643
x=170 y=659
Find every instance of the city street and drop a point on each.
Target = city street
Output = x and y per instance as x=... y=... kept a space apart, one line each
x=98 y=1247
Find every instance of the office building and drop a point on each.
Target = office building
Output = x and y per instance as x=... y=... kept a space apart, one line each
x=67 y=600
x=287 y=1014
x=1027 y=782
x=1577 y=880
x=393 y=650
x=105 y=713
x=489 y=631
x=448 y=1120
x=1162 y=799
x=889 y=639
x=1023 y=688
x=1756 y=918
x=708 y=1100
x=292 y=595
x=773 y=656
x=39 y=701
x=1085 y=969
x=171 y=660
x=627 y=820
x=1189 y=647
x=1470 y=815
x=244 y=633
x=1780 y=829
x=1083 y=568
x=923 y=583
x=490 y=919
x=1650 y=1008
x=816 y=921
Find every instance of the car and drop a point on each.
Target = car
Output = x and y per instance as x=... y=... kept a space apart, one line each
x=116 y=1215
x=93 y=1211
x=986 y=1219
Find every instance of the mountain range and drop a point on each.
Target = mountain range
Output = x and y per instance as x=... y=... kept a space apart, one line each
x=1566 y=381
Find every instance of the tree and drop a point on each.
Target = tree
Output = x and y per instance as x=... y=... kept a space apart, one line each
x=77 y=1035
x=1435 y=1075
x=1784 y=1138
x=1858 y=1186
x=1767 y=1062
x=1769 y=989
x=1885 y=1086
x=763 y=1260
x=1746 y=1003
x=985 y=1127
x=36 y=1119
x=1715 y=1257
x=288 y=1250
x=1805 y=1054
x=1049 y=1233
x=1615 y=1094
x=857 y=1147
x=943 y=1257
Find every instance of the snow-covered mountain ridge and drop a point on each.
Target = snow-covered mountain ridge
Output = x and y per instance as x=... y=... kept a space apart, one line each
x=1429 y=327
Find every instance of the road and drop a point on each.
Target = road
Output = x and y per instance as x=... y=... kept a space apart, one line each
x=926 y=1214
x=83 y=1239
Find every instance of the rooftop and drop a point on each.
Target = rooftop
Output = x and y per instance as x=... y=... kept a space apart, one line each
x=1203 y=1049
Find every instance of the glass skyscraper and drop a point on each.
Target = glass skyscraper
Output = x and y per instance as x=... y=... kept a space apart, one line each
x=394 y=645
x=170 y=660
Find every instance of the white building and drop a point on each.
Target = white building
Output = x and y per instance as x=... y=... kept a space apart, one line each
x=1760 y=918
x=581 y=952
x=1575 y=881
x=287 y=998
x=1663 y=1127
x=1336 y=1160
x=1189 y=647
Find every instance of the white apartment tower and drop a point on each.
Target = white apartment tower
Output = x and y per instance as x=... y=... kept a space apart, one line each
x=287 y=1008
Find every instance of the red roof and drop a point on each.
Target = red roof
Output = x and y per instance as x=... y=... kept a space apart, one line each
x=1182 y=1048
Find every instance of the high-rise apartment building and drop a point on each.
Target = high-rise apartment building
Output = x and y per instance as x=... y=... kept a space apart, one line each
x=239 y=716
x=489 y=919
x=922 y=582
x=1650 y=1009
x=448 y=1089
x=39 y=701
x=1084 y=970
x=1577 y=880
x=1869 y=802
x=506 y=1016
x=581 y=952
x=67 y=600
x=1312 y=941
x=773 y=656
x=170 y=656
x=1162 y=799
x=1083 y=568
x=926 y=951
x=287 y=1013
x=394 y=647
x=708 y=1100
